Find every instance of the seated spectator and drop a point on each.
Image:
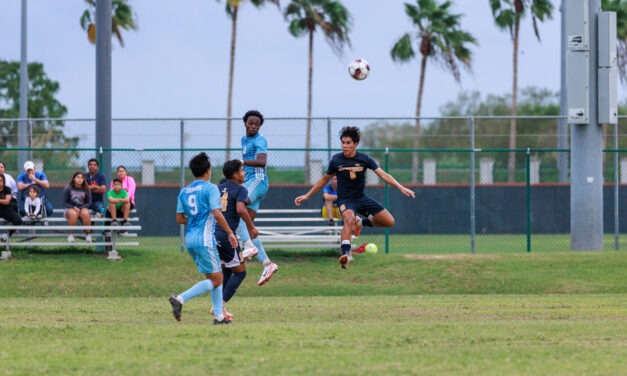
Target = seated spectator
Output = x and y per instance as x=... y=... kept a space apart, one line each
x=30 y=177
x=128 y=184
x=330 y=210
x=77 y=200
x=97 y=184
x=10 y=182
x=32 y=204
x=119 y=203
x=8 y=207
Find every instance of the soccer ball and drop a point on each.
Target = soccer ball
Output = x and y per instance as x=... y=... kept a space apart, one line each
x=359 y=69
x=371 y=248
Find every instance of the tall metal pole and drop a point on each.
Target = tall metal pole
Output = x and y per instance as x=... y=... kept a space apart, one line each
x=586 y=199
x=616 y=216
x=22 y=126
x=103 y=82
x=329 y=139
x=182 y=182
x=562 y=126
x=472 y=186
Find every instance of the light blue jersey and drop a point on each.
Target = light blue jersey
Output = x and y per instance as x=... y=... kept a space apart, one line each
x=197 y=201
x=251 y=146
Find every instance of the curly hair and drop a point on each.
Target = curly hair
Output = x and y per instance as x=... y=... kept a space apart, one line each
x=253 y=113
x=353 y=132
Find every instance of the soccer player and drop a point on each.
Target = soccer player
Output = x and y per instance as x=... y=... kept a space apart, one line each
x=254 y=152
x=199 y=208
x=350 y=168
x=234 y=200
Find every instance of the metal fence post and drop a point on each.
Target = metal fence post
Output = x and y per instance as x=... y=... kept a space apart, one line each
x=472 y=185
x=616 y=215
x=528 y=194
x=30 y=139
x=387 y=202
x=182 y=182
x=329 y=139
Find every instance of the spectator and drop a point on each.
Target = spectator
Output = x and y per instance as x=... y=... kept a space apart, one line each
x=30 y=177
x=330 y=210
x=8 y=207
x=128 y=184
x=10 y=182
x=119 y=203
x=97 y=184
x=32 y=204
x=77 y=200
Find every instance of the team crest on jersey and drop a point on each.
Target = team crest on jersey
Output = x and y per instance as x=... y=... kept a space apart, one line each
x=342 y=207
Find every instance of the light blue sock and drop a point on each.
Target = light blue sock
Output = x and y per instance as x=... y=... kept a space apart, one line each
x=198 y=289
x=261 y=256
x=216 y=299
x=242 y=231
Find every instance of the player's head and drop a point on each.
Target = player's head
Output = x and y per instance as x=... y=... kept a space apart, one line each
x=253 y=120
x=350 y=139
x=234 y=170
x=200 y=165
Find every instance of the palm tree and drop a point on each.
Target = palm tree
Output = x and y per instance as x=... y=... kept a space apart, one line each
x=507 y=15
x=305 y=17
x=232 y=9
x=122 y=18
x=620 y=7
x=439 y=37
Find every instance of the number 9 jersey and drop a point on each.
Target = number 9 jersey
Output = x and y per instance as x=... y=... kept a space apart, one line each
x=197 y=201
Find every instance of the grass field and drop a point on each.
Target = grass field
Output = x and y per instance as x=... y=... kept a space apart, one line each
x=69 y=312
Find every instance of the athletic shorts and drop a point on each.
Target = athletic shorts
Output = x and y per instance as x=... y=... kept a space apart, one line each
x=207 y=259
x=257 y=190
x=365 y=206
x=229 y=256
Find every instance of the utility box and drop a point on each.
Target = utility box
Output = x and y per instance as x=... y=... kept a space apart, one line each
x=607 y=39
x=577 y=25
x=607 y=96
x=578 y=90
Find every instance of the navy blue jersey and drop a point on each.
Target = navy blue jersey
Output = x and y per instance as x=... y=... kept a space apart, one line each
x=231 y=194
x=351 y=174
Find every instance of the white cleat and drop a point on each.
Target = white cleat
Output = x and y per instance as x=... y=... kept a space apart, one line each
x=249 y=250
x=268 y=271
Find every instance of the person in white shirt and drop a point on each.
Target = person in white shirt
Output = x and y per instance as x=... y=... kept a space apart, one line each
x=32 y=204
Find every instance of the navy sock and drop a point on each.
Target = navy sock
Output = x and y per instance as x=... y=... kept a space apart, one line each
x=366 y=222
x=346 y=248
x=231 y=288
x=226 y=275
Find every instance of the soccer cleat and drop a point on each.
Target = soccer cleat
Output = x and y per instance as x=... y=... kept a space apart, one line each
x=344 y=261
x=361 y=249
x=357 y=228
x=176 y=307
x=249 y=250
x=227 y=316
x=223 y=322
x=267 y=273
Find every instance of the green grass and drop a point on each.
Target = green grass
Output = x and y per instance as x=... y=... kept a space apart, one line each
x=74 y=312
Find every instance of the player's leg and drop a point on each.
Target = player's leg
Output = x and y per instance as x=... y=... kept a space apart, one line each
x=257 y=190
x=375 y=215
x=208 y=262
x=234 y=271
x=249 y=248
x=348 y=217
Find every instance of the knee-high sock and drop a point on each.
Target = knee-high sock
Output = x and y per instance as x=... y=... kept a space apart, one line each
x=242 y=231
x=231 y=287
x=226 y=274
x=198 y=289
x=261 y=256
x=345 y=247
x=216 y=300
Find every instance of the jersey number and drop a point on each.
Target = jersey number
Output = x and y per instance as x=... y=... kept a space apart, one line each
x=191 y=200
x=224 y=202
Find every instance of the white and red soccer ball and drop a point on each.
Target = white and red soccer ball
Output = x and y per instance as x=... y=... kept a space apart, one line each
x=359 y=69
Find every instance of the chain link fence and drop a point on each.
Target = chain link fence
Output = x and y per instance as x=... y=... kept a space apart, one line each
x=468 y=197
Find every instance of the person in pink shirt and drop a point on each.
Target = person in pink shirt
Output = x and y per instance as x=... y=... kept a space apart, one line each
x=128 y=184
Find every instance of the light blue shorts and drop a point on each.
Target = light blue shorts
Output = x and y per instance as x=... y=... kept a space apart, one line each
x=257 y=190
x=207 y=259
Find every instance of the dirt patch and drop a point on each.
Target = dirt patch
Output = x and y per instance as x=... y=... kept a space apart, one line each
x=450 y=257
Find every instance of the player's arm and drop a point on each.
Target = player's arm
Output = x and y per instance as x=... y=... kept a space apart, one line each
x=321 y=183
x=181 y=218
x=217 y=213
x=391 y=181
x=259 y=161
x=243 y=213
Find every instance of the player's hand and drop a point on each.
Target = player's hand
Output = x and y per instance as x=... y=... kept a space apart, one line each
x=300 y=199
x=233 y=241
x=408 y=192
x=254 y=233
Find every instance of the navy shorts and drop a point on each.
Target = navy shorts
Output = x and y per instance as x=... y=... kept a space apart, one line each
x=365 y=205
x=230 y=257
